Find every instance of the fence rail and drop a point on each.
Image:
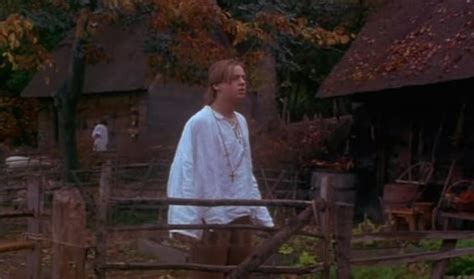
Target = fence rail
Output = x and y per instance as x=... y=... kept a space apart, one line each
x=217 y=202
x=253 y=263
x=331 y=224
x=16 y=246
x=17 y=214
x=216 y=268
x=34 y=194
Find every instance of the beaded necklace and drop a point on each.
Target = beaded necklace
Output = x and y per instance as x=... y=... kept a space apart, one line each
x=238 y=133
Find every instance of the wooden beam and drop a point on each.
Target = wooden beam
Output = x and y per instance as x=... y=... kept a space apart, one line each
x=413 y=257
x=13 y=188
x=69 y=240
x=342 y=235
x=155 y=227
x=34 y=198
x=16 y=246
x=327 y=225
x=16 y=214
x=209 y=268
x=415 y=235
x=101 y=224
x=440 y=267
x=216 y=202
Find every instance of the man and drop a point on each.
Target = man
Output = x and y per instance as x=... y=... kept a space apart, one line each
x=100 y=136
x=213 y=161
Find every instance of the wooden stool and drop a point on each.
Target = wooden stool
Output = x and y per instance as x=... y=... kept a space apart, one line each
x=425 y=209
x=410 y=215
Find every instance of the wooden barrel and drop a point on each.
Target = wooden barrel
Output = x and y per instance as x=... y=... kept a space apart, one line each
x=343 y=182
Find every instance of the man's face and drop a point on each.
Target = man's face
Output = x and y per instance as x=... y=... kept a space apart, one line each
x=235 y=89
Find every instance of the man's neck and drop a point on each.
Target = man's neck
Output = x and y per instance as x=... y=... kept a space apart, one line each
x=224 y=108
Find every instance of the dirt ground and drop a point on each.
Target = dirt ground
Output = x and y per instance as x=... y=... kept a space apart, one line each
x=122 y=247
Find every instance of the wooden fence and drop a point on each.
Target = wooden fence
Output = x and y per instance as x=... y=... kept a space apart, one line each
x=320 y=208
x=33 y=213
x=330 y=223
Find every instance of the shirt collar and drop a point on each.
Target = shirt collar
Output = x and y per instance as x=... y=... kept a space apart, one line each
x=218 y=115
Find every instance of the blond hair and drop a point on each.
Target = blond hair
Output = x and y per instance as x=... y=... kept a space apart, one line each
x=220 y=71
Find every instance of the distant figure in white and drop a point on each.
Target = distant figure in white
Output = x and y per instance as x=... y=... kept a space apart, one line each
x=100 y=135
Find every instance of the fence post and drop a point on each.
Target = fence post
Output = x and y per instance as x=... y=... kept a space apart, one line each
x=101 y=225
x=439 y=267
x=33 y=196
x=343 y=236
x=327 y=195
x=68 y=234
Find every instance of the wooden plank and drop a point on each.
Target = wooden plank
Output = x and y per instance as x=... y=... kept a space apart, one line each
x=216 y=202
x=458 y=215
x=68 y=234
x=415 y=235
x=101 y=225
x=440 y=267
x=155 y=227
x=271 y=245
x=203 y=267
x=33 y=197
x=13 y=189
x=16 y=214
x=343 y=234
x=16 y=246
x=413 y=257
x=327 y=217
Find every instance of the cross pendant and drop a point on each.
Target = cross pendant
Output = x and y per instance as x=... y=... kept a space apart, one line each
x=232 y=176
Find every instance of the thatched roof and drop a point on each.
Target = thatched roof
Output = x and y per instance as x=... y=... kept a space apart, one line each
x=123 y=71
x=407 y=43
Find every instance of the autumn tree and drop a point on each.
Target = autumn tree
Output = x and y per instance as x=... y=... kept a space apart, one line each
x=292 y=32
x=185 y=37
x=29 y=29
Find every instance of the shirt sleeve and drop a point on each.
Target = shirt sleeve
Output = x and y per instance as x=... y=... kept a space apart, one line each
x=181 y=185
x=260 y=214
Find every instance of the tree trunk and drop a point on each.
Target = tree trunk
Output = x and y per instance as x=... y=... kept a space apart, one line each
x=67 y=98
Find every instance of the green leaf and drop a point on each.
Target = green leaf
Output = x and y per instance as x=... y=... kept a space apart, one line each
x=306 y=259
x=286 y=249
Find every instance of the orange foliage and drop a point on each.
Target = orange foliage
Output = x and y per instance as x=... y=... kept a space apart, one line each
x=16 y=32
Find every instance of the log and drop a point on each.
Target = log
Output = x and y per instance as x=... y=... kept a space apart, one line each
x=13 y=188
x=69 y=237
x=327 y=218
x=271 y=245
x=155 y=227
x=101 y=225
x=414 y=257
x=33 y=197
x=439 y=267
x=209 y=268
x=16 y=246
x=16 y=214
x=216 y=202
x=413 y=236
x=343 y=235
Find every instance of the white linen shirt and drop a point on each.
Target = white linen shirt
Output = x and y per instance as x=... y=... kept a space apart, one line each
x=200 y=170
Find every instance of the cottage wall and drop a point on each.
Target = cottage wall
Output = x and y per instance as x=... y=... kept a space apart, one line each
x=47 y=135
